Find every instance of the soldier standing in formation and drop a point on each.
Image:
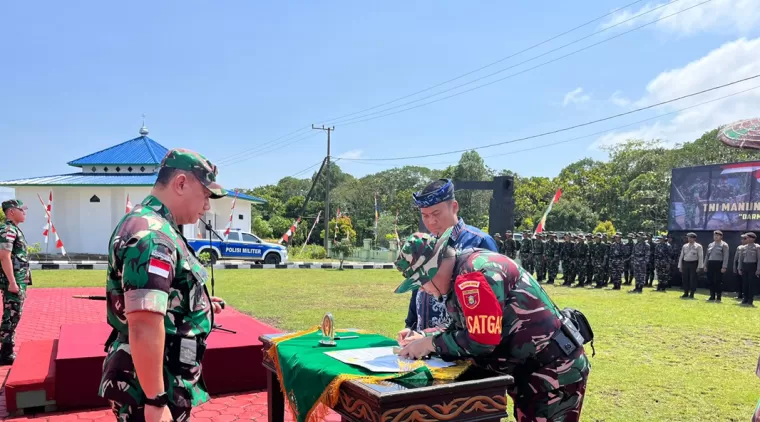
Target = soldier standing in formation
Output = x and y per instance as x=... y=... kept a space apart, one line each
x=737 y=276
x=539 y=259
x=526 y=252
x=14 y=275
x=689 y=263
x=662 y=261
x=640 y=261
x=717 y=264
x=749 y=269
x=598 y=258
x=650 y=264
x=551 y=250
x=675 y=251
x=627 y=267
x=565 y=249
x=158 y=304
x=525 y=342
x=582 y=260
x=510 y=245
x=617 y=253
x=607 y=272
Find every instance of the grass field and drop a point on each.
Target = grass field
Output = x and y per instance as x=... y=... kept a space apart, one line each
x=659 y=357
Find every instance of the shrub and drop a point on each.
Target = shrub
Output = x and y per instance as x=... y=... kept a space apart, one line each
x=309 y=252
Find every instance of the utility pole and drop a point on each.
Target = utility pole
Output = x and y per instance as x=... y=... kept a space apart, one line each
x=327 y=187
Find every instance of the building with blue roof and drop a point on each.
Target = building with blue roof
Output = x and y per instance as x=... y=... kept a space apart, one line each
x=89 y=202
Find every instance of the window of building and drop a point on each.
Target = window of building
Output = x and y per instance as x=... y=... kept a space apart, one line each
x=94 y=198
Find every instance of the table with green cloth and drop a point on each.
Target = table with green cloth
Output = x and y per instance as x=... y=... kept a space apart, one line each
x=311 y=383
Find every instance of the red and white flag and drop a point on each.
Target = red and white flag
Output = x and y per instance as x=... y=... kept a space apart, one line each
x=290 y=232
x=232 y=212
x=542 y=223
x=129 y=205
x=46 y=229
x=753 y=167
x=58 y=241
x=159 y=267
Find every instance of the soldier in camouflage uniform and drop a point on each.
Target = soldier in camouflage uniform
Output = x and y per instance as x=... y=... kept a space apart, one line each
x=539 y=260
x=628 y=247
x=582 y=253
x=565 y=250
x=551 y=251
x=510 y=245
x=157 y=298
x=15 y=275
x=640 y=260
x=590 y=259
x=503 y=320
x=650 y=264
x=617 y=251
x=499 y=243
x=662 y=260
x=598 y=258
x=607 y=271
x=526 y=252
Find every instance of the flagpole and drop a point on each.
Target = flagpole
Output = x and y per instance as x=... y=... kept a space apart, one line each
x=308 y=236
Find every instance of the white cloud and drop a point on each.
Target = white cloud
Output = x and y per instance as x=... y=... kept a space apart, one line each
x=575 y=97
x=618 y=99
x=351 y=155
x=723 y=15
x=730 y=62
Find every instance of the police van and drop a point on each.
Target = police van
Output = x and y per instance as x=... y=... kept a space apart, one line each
x=241 y=245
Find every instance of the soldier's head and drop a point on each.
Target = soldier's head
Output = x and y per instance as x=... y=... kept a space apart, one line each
x=750 y=237
x=641 y=236
x=717 y=235
x=598 y=238
x=744 y=239
x=438 y=206
x=691 y=237
x=427 y=263
x=508 y=234
x=14 y=210
x=618 y=237
x=186 y=181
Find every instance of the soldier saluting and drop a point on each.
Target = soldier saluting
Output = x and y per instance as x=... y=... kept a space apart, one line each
x=503 y=319
x=14 y=276
x=158 y=303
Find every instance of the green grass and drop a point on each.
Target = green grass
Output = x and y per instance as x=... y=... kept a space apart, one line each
x=659 y=358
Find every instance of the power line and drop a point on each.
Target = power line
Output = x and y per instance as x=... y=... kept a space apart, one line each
x=492 y=63
x=361 y=119
x=558 y=130
x=259 y=153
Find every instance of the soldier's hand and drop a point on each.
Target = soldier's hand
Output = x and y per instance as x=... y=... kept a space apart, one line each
x=408 y=337
x=158 y=414
x=13 y=287
x=418 y=348
x=723 y=270
x=217 y=304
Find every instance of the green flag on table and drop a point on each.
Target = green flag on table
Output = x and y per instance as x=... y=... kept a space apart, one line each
x=310 y=378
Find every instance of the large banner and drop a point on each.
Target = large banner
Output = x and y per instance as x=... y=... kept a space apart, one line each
x=717 y=197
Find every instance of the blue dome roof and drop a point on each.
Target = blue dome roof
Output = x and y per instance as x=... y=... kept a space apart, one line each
x=138 y=151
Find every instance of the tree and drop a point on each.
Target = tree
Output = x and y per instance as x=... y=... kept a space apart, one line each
x=571 y=215
x=2 y=216
x=605 y=227
x=279 y=225
x=261 y=227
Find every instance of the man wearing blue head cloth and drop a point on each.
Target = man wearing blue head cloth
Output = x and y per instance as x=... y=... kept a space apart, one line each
x=439 y=211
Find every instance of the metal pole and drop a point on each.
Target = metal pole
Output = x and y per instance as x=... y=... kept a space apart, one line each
x=327 y=187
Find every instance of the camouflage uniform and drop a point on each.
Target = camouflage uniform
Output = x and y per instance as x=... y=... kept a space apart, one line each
x=598 y=258
x=662 y=260
x=640 y=260
x=510 y=246
x=505 y=322
x=607 y=272
x=151 y=267
x=526 y=252
x=627 y=267
x=551 y=250
x=539 y=260
x=565 y=252
x=650 y=263
x=12 y=239
x=499 y=243
x=582 y=252
x=590 y=259
x=617 y=253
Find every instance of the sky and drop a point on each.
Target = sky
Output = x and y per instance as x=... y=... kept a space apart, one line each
x=242 y=81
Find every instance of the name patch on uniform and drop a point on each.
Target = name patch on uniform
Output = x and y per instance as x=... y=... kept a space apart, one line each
x=159 y=267
x=481 y=308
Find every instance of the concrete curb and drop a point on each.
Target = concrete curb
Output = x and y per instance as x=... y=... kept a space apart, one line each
x=92 y=265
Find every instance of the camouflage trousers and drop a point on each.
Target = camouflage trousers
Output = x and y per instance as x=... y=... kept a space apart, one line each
x=526 y=261
x=580 y=271
x=663 y=274
x=640 y=273
x=13 y=305
x=540 y=264
x=568 y=271
x=617 y=266
x=561 y=405
x=650 y=273
x=553 y=267
x=129 y=413
x=599 y=273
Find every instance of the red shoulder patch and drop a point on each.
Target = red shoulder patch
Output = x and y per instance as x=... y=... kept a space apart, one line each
x=482 y=310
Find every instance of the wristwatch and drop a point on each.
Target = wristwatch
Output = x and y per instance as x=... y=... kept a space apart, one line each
x=160 y=400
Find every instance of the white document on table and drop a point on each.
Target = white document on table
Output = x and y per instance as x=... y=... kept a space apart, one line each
x=382 y=359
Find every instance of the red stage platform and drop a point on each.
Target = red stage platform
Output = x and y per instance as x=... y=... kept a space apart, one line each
x=64 y=373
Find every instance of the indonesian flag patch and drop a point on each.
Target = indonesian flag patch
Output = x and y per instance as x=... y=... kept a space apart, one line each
x=159 y=267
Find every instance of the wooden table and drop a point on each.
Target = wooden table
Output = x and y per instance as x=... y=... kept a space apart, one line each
x=478 y=395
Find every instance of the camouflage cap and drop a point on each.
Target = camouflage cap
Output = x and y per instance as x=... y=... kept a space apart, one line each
x=200 y=166
x=497 y=235
x=418 y=259
x=13 y=203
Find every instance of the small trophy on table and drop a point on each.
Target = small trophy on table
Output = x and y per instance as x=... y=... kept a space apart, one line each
x=328 y=331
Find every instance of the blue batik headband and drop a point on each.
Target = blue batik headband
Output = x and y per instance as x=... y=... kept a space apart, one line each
x=443 y=194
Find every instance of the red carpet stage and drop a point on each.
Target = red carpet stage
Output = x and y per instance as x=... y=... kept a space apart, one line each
x=64 y=372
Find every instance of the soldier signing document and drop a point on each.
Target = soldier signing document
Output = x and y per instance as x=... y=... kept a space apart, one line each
x=158 y=303
x=502 y=319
